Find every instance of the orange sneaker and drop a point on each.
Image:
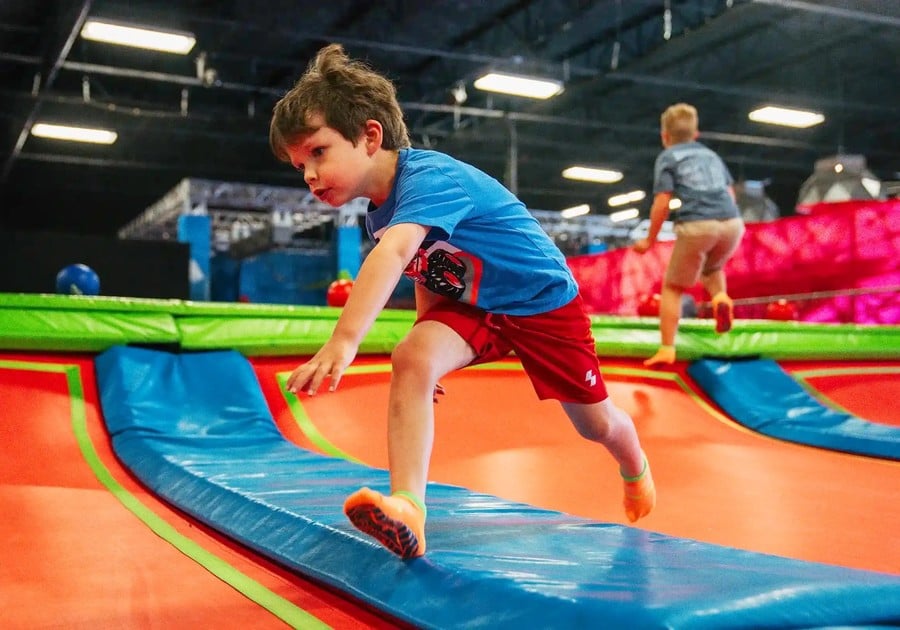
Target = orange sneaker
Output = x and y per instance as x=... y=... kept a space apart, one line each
x=723 y=311
x=640 y=494
x=395 y=521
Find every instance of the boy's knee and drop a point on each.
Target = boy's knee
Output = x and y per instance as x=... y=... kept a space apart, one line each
x=408 y=356
x=593 y=422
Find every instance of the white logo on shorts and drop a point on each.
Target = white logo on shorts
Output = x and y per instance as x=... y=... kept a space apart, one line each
x=590 y=377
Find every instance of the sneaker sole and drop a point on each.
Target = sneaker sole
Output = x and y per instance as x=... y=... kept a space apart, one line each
x=396 y=536
x=723 y=317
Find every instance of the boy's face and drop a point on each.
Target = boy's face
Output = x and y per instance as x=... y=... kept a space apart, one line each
x=334 y=169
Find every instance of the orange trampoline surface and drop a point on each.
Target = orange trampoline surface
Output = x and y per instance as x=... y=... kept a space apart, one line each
x=87 y=546
x=718 y=482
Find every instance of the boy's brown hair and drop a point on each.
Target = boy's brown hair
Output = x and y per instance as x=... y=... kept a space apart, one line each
x=680 y=121
x=346 y=93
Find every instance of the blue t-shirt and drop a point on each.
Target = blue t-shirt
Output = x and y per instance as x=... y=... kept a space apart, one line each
x=696 y=175
x=483 y=247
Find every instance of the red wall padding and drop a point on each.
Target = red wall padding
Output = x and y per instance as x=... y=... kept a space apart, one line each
x=839 y=246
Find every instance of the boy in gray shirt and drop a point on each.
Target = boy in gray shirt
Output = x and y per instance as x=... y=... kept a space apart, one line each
x=708 y=225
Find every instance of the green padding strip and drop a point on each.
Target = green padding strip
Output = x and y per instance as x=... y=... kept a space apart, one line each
x=282 y=311
x=50 y=301
x=280 y=337
x=84 y=331
x=30 y=322
x=250 y=588
x=306 y=425
x=749 y=338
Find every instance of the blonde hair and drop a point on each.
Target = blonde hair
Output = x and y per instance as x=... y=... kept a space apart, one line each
x=681 y=122
x=346 y=93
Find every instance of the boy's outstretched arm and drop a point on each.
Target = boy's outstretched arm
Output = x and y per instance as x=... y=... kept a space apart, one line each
x=659 y=212
x=377 y=278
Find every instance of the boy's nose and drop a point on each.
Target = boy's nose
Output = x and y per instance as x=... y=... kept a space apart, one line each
x=309 y=175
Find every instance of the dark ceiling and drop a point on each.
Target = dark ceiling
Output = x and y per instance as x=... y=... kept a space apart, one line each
x=623 y=62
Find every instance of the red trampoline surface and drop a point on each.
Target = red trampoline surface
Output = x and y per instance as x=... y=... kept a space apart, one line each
x=78 y=556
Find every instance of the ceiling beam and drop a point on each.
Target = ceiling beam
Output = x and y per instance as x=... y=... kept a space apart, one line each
x=56 y=57
x=849 y=14
x=480 y=112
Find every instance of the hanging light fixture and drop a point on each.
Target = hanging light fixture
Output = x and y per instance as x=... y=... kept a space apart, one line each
x=74 y=134
x=519 y=85
x=138 y=36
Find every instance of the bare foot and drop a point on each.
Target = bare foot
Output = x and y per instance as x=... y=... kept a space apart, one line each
x=665 y=355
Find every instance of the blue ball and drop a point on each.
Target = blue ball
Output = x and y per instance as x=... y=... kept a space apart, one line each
x=77 y=279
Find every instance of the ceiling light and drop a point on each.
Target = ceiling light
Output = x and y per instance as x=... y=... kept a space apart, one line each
x=630 y=197
x=624 y=215
x=787 y=117
x=575 y=211
x=674 y=203
x=76 y=134
x=589 y=174
x=138 y=37
x=518 y=85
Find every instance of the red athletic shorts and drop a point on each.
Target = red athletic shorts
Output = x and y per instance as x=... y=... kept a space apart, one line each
x=556 y=348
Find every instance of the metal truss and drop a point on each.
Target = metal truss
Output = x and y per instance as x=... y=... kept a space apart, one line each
x=272 y=216
x=239 y=211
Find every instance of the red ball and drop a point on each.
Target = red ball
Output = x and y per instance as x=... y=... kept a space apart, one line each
x=782 y=310
x=648 y=306
x=338 y=292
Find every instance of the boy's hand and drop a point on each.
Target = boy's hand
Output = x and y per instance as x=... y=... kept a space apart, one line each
x=642 y=245
x=329 y=362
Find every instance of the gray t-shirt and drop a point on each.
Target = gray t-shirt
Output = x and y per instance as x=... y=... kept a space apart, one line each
x=696 y=175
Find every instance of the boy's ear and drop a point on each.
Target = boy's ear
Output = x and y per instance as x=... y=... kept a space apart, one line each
x=374 y=135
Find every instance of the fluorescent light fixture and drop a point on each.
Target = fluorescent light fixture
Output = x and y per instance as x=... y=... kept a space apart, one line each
x=519 y=85
x=674 y=203
x=138 y=36
x=76 y=134
x=624 y=215
x=625 y=198
x=589 y=174
x=575 y=211
x=785 y=116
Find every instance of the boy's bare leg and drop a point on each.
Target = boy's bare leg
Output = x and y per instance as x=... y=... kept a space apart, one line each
x=669 y=315
x=430 y=351
x=397 y=521
x=723 y=308
x=714 y=282
x=610 y=426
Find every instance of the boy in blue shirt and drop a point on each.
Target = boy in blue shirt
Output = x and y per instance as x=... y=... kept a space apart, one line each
x=708 y=225
x=488 y=281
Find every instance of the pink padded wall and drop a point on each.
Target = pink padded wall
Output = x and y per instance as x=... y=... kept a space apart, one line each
x=838 y=246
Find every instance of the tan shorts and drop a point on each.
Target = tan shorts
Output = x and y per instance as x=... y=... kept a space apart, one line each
x=702 y=247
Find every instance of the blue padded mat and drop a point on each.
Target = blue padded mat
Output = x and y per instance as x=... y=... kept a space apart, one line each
x=760 y=395
x=195 y=428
